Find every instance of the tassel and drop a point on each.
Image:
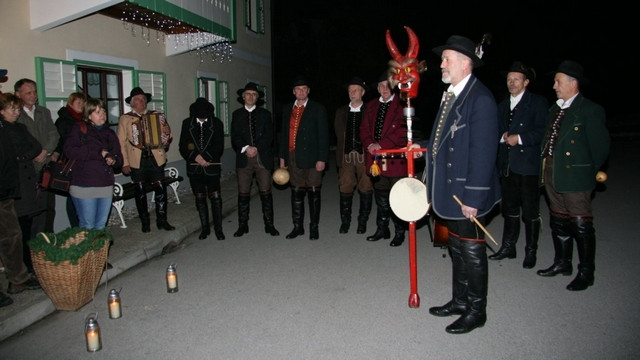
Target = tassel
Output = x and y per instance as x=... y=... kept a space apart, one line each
x=375 y=168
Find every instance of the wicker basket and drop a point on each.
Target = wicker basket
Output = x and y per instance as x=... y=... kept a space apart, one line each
x=69 y=285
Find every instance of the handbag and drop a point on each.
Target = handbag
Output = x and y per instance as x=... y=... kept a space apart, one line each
x=56 y=175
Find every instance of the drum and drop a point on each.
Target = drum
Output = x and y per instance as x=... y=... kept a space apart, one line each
x=408 y=199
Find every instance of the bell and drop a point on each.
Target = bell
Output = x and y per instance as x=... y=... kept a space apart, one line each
x=92 y=333
x=172 y=279
x=281 y=176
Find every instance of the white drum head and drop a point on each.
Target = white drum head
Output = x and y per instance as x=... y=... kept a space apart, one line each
x=408 y=199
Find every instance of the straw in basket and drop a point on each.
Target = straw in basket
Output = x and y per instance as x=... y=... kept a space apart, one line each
x=70 y=284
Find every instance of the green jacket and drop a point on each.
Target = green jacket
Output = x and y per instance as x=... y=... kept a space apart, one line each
x=582 y=146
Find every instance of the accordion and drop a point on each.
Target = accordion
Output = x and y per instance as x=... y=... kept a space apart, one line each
x=150 y=131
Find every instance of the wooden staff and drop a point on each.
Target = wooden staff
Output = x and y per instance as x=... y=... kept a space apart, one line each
x=477 y=222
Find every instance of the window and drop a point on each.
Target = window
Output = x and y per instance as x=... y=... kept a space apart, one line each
x=217 y=92
x=254 y=15
x=104 y=84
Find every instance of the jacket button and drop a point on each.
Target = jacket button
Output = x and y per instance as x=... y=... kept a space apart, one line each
x=448 y=165
x=448 y=181
x=568 y=153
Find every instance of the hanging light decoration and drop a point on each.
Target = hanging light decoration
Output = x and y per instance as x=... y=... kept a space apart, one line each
x=141 y=21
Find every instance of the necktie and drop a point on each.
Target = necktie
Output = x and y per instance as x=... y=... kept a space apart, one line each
x=444 y=111
x=553 y=134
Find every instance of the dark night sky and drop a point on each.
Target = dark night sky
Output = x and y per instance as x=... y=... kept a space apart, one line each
x=331 y=41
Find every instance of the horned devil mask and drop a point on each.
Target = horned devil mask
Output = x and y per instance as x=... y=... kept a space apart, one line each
x=405 y=70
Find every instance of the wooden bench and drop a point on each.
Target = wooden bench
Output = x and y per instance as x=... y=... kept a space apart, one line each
x=121 y=193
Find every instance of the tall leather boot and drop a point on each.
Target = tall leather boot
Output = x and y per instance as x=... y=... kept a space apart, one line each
x=382 y=216
x=297 y=212
x=458 y=303
x=346 y=201
x=141 y=204
x=366 y=200
x=243 y=215
x=314 y=212
x=216 y=209
x=531 y=231
x=585 y=235
x=475 y=256
x=562 y=244
x=203 y=212
x=267 y=214
x=399 y=227
x=161 y=206
x=510 y=234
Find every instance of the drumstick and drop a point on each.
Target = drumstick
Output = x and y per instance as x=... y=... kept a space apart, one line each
x=477 y=222
x=209 y=164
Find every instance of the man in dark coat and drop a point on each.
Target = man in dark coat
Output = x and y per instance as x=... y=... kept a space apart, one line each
x=522 y=122
x=385 y=127
x=252 y=139
x=304 y=148
x=461 y=162
x=575 y=147
x=202 y=145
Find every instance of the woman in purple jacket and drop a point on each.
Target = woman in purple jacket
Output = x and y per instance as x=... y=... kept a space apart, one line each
x=96 y=151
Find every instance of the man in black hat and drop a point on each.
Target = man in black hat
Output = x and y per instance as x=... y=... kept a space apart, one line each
x=201 y=145
x=304 y=148
x=144 y=162
x=461 y=162
x=576 y=145
x=352 y=172
x=385 y=127
x=252 y=139
x=522 y=118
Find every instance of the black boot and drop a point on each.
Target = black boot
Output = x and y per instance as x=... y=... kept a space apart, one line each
x=141 y=204
x=399 y=226
x=585 y=235
x=382 y=216
x=510 y=234
x=458 y=303
x=346 y=201
x=476 y=269
x=203 y=212
x=243 y=215
x=366 y=200
x=563 y=246
x=161 y=206
x=297 y=212
x=267 y=214
x=314 y=212
x=532 y=231
x=216 y=209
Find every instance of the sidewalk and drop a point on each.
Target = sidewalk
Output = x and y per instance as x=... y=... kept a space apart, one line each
x=131 y=247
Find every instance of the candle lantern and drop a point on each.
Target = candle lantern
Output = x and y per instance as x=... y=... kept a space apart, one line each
x=172 y=279
x=92 y=333
x=115 y=308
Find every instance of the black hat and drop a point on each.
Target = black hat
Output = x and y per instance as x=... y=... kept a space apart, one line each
x=251 y=86
x=384 y=76
x=300 y=80
x=518 y=66
x=202 y=108
x=357 y=81
x=137 y=91
x=462 y=45
x=572 y=69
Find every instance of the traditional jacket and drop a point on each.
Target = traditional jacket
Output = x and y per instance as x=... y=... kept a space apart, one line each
x=131 y=154
x=393 y=136
x=465 y=162
x=340 y=123
x=241 y=135
x=582 y=145
x=528 y=121
x=312 y=140
x=207 y=141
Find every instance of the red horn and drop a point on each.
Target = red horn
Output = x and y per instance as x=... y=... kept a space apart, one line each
x=393 y=49
x=414 y=45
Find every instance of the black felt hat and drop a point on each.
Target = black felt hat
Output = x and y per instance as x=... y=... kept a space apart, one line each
x=253 y=87
x=299 y=81
x=137 y=91
x=518 y=66
x=462 y=45
x=202 y=108
x=357 y=81
x=573 y=69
